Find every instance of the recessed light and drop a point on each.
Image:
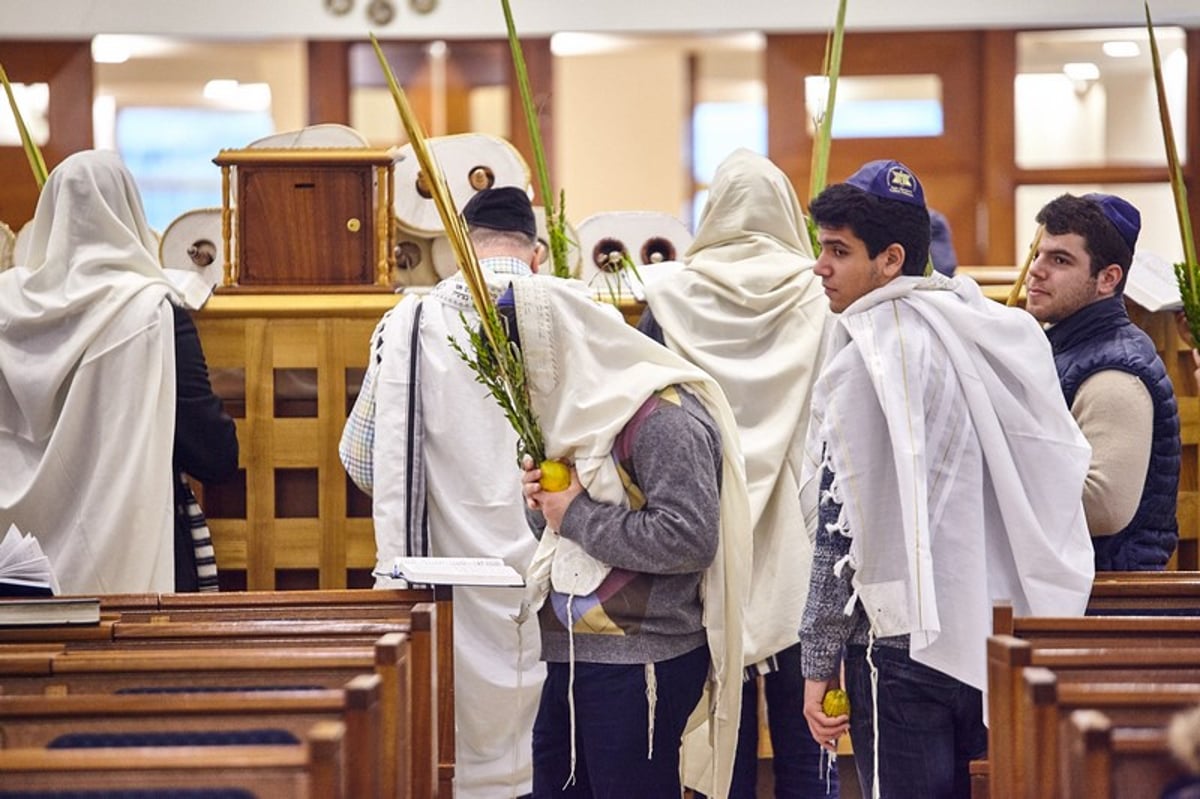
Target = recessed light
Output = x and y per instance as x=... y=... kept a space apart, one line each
x=1122 y=49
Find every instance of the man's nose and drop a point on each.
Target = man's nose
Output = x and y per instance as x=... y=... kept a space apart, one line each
x=1036 y=269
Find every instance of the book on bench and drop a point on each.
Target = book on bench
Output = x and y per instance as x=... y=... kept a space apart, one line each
x=49 y=611
x=24 y=568
x=454 y=571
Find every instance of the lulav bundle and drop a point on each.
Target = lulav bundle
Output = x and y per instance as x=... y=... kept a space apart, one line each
x=497 y=363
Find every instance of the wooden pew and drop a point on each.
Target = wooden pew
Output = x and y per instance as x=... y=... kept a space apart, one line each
x=258 y=625
x=312 y=770
x=1102 y=760
x=1051 y=702
x=1009 y=656
x=1151 y=593
x=337 y=603
x=1104 y=631
x=261 y=617
x=291 y=666
x=41 y=721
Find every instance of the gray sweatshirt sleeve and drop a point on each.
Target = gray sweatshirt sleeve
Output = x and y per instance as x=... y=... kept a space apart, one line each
x=825 y=627
x=677 y=465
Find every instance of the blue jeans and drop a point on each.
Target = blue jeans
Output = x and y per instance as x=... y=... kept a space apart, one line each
x=796 y=757
x=611 y=724
x=930 y=726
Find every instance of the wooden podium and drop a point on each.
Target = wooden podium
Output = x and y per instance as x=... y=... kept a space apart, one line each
x=307 y=218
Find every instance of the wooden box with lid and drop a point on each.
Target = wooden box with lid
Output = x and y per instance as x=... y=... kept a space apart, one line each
x=301 y=219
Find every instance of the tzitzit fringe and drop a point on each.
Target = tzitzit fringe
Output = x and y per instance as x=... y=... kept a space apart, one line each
x=652 y=702
x=874 y=713
x=571 y=685
x=512 y=777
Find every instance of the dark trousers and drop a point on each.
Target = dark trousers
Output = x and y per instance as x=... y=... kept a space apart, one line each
x=612 y=719
x=800 y=771
x=930 y=726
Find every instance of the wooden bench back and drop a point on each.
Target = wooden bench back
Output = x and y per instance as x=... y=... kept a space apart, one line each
x=312 y=770
x=1051 y=702
x=1008 y=657
x=287 y=664
x=1103 y=760
x=39 y=721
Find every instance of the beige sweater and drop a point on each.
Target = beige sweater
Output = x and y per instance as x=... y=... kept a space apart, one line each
x=1115 y=413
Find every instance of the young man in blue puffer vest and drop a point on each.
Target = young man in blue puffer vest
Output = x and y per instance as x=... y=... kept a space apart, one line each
x=1112 y=378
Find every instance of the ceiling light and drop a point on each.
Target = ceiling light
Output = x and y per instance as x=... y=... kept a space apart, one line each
x=1122 y=49
x=220 y=89
x=1081 y=70
x=110 y=50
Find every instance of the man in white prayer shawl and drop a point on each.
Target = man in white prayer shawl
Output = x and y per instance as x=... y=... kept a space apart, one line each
x=747 y=309
x=639 y=581
x=434 y=450
x=951 y=475
x=104 y=393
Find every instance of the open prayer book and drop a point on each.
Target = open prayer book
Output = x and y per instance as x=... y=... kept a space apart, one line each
x=24 y=568
x=454 y=571
x=1152 y=283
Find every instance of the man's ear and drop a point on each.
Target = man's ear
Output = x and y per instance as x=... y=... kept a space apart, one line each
x=892 y=259
x=1107 y=280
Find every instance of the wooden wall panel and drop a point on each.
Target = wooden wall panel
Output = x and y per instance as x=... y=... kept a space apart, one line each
x=948 y=165
x=328 y=82
x=67 y=68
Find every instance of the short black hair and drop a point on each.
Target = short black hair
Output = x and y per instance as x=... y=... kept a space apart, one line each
x=1085 y=218
x=877 y=222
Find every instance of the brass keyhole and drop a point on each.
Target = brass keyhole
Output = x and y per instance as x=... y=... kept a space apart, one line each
x=353 y=225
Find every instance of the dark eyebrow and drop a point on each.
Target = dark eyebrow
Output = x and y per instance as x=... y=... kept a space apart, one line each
x=1058 y=251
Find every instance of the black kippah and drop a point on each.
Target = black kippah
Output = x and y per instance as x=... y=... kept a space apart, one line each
x=504 y=208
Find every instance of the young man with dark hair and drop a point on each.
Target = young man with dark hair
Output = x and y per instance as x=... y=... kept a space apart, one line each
x=943 y=453
x=1112 y=378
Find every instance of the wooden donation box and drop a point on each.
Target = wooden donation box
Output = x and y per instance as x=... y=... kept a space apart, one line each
x=299 y=219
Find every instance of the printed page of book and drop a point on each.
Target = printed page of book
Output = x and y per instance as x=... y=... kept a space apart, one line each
x=1152 y=283
x=456 y=571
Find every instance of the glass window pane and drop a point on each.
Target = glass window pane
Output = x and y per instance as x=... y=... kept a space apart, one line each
x=879 y=106
x=1160 y=231
x=34 y=101
x=1086 y=98
x=169 y=151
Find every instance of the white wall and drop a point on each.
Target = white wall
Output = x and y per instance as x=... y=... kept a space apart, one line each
x=619 y=126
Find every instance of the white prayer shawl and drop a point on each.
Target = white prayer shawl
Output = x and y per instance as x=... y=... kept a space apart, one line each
x=468 y=480
x=87 y=385
x=588 y=373
x=747 y=309
x=1017 y=532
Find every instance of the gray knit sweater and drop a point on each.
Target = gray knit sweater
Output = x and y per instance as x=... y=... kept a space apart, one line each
x=826 y=627
x=648 y=608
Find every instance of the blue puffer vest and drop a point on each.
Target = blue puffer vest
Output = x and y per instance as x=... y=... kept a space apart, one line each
x=1101 y=336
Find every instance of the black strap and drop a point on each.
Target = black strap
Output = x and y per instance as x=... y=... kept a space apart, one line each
x=418 y=540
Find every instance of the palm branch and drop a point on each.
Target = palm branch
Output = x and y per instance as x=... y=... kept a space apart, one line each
x=36 y=162
x=497 y=363
x=1185 y=272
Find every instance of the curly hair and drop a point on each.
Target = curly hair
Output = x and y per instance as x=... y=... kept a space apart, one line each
x=878 y=222
x=1083 y=217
